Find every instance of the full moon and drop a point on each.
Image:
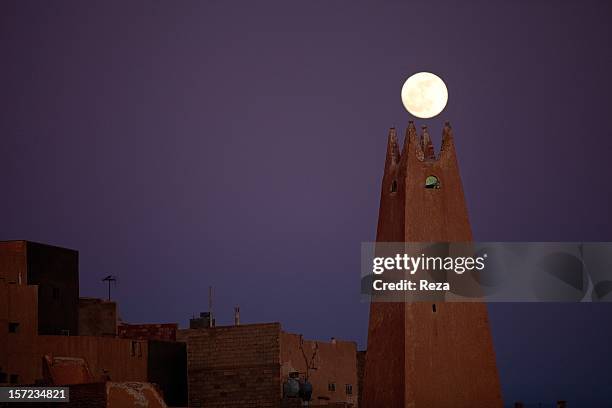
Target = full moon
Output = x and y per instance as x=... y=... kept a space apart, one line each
x=424 y=95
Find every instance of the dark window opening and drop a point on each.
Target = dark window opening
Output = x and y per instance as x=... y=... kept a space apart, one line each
x=13 y=327
x=331 y=387
x=432 y=182
x=349 y=389
x=433 y=308
x=14 y=379
x=56 y=293
x=394 y=186
x=3 y=377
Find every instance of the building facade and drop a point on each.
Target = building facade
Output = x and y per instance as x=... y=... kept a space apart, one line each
x=97 y=317
x=25 y=343
x=247 y=365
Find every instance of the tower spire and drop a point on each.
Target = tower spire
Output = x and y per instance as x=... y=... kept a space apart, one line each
x=447 y=148
x=410 y=138
x=426 y=145
x=393 y=154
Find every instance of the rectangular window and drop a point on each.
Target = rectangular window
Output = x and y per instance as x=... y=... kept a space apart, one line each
x=331 y=387
x=349 y=389
x=13 y=327
x=14 y=378
x=3 y=377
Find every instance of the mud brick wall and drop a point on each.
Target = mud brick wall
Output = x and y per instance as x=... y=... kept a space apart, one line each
x=234 y=366
x=163 y=331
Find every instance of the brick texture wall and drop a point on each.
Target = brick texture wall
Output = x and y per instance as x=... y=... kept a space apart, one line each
x=162 y=331
x=234 y=366
x=97 y=317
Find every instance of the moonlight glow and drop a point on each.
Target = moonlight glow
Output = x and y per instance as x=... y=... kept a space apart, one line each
x=424 y=95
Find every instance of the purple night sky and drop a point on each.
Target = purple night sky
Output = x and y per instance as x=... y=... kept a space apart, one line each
x=241 y=144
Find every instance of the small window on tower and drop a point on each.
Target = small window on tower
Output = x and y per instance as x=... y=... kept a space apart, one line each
x=432 y=182
x=349 y=389
x=394 y=186
x=331 y=386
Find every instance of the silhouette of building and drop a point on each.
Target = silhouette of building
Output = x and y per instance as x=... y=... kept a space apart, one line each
x=426 y=354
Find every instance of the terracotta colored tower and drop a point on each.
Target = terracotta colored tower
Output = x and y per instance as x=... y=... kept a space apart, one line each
x=426 y=355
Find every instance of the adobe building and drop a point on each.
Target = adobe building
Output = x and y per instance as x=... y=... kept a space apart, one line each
x=88 y=392
x=167 y=358
x=55 y=271
x=425 y=354
x=247 y=366
x=21 y=358
x=97 y=317
x=25 y=341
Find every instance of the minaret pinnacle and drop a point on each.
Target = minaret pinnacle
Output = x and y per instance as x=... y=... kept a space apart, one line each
x=427 y=146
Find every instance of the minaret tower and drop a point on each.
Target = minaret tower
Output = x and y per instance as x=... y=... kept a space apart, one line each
x=425 y=355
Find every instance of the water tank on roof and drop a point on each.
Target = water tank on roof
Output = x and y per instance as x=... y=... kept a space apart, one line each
x=291 y=388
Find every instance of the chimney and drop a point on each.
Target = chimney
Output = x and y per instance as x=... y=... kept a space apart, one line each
x=333 y=341
x=237 y=315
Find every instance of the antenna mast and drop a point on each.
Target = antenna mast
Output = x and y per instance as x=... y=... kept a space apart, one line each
x=109 y=279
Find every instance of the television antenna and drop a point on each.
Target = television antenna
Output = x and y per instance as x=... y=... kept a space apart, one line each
x=109 y=279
